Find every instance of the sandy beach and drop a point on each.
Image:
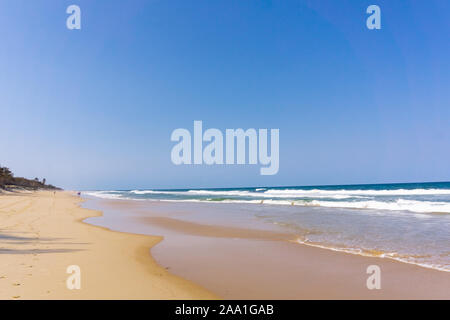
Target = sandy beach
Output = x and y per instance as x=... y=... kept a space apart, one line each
x=41 y=234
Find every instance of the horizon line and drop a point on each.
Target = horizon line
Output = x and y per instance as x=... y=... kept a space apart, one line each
x=280 y=186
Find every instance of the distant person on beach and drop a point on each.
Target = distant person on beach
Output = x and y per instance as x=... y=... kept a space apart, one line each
x=79 y=194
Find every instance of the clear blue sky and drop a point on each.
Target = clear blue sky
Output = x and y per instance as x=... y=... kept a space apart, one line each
x=94 y=108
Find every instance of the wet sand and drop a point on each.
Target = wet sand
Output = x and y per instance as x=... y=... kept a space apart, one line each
x=259 y=263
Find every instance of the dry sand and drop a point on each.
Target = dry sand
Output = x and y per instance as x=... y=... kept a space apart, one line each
x=41 y=234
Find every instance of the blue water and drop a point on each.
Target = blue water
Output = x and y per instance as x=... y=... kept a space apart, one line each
x=409 y=222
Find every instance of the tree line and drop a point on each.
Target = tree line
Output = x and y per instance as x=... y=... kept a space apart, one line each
x=9 y=182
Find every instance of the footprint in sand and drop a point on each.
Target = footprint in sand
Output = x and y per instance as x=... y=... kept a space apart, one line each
x=16 y=297
x=2 y=277
x=16 y=284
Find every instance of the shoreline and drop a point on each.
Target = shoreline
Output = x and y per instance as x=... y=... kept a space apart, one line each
x=403 y=222
x=282 y=236
x=368 y=255
x=240 y=263
x=40 y=240
x=120 y=249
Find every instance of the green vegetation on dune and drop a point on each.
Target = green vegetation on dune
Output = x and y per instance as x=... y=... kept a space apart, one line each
x=8 y=181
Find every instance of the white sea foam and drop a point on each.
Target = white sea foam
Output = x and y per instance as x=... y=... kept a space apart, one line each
x=357 y=199
x=302 y=193
x=105 y=194
x=243 y=193
x=153 y=192
x=395 y=192
x=388 y=255
x=398 y=205
x=221 y=192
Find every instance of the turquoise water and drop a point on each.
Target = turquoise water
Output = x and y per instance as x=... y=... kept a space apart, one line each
x=407 y=222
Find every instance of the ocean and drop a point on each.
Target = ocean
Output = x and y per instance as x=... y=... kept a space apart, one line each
x=408 y=222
